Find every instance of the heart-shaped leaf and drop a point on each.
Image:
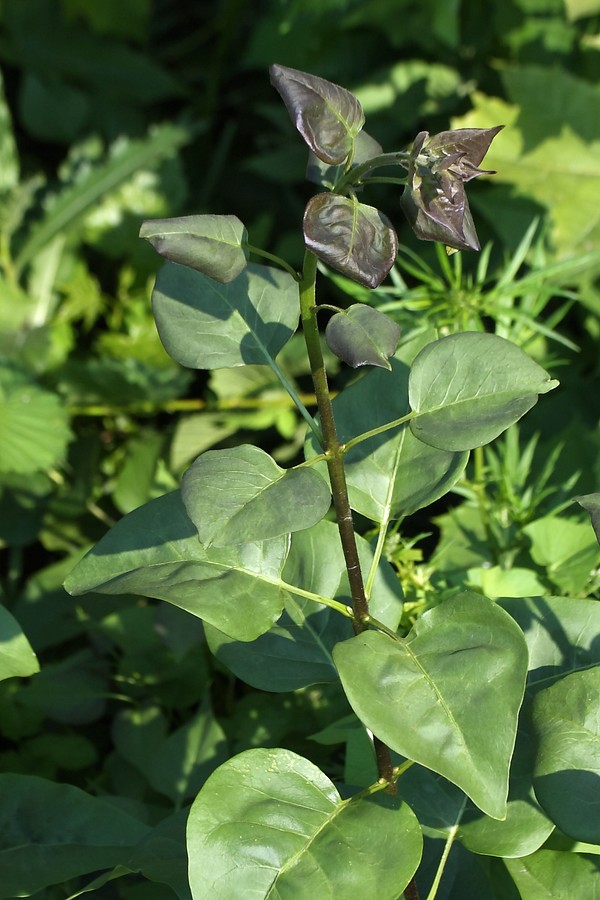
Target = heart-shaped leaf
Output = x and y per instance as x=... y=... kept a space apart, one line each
x=469 y=387
x=567 y=768
x=213 y=245
x=240 y=495
x=391 y=474
x=296 y=651
x=327 y=116
x=207 y=325
x=155 y=551
x=447 y=696
x=269 y=823
x=362 y=336
x=356 y=239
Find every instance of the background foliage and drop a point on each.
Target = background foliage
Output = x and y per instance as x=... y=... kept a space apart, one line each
x=113 y=113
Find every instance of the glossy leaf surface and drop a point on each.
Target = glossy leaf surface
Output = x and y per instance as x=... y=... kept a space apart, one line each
x=437 y=696
x=213 y=245
x=362 y=336
x=269 y=823
x=356 y=239
x=207 y=325
x=567 y=769
x=327 y=116
x=297 y=650
x=239 y=495
x=470 y=387
x=155 y=551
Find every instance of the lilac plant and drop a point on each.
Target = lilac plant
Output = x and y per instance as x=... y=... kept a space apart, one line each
x=288 y=598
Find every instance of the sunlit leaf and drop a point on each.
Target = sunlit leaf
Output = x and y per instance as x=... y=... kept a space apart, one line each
x=327 y=116
x=239 y=495
x=16 y=654
x=213 y=245
x=155 y=551
x=469 y=387
x=447 y=696
x=351 y=237
x=269 y=823
x=362 y=336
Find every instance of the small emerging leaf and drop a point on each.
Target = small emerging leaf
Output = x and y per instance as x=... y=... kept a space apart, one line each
x=327 y=116
x=356 y=239
x=240 y=495
x=363 y=336
x=213 y=245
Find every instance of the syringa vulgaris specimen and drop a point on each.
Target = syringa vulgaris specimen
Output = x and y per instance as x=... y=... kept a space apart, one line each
x=290 y=598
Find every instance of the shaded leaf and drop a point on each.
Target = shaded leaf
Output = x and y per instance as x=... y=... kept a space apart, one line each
x=296 y=651
x=154 y=551
x=50 y=833
x=269 y=823
x=325 y=175
x=438 y=696
x=207 y=325
x=567 y=768
x=351 y=237
x=213 y=245
x=362 y=336
x=327 y=116
x=470 y=387
x=241 y=494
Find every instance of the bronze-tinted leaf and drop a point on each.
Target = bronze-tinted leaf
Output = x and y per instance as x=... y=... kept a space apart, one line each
x=365 y=147
x=327 y=116
x=355 y=239
x=213 y=245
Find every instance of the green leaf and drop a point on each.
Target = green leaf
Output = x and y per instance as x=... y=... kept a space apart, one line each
x=549 y=150
x=567 y=768
x=154 y=551
x=567 y=549
x=16 y=654
x=468 y=388
x=591 y=503
x=34 y=430
x=392 y=474
x=51 y=833
x=77 y=199
x=297 y=651
x=327 y=116
x=552 y=875
x=268 y=823
x=447 y=696
x=356 y=239
x=362 y=336
x=240 y=495
x=213 y=245
x=9 y=159
x=207 y=325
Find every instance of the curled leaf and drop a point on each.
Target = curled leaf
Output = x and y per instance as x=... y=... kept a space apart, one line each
x=213 y=245
x=362 y=336
x=327 y=116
